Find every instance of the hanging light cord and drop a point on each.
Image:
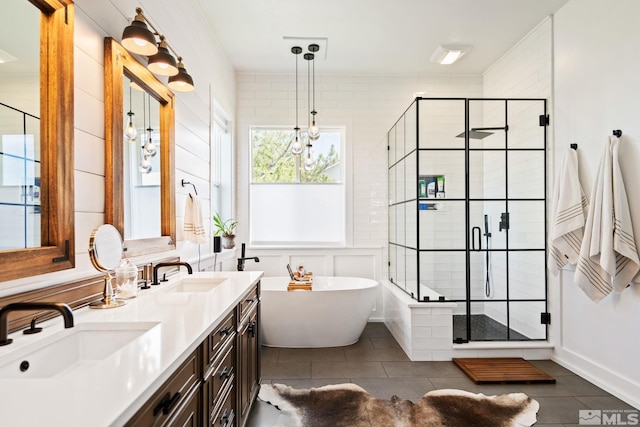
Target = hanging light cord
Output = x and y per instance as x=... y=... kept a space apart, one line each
x=144 y=120
x=130 y=96
x=297 y=128
x=313 y=112
x=308 y=92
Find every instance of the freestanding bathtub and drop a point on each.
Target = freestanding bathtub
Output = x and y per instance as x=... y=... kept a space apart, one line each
x=333 y=314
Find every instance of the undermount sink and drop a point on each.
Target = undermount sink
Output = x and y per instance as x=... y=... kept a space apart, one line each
x=200 y=284
x=70 y=349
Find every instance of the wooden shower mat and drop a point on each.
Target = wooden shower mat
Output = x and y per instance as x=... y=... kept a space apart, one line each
x=502 y=370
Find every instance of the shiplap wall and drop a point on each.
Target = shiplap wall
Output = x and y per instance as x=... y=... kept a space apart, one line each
x=208 y=65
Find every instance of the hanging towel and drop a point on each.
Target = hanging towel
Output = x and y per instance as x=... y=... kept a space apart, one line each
x=624 y=242
x=193 y=223
x=608 y=256
x=569 y=212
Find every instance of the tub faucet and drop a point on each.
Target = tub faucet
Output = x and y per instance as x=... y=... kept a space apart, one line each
x=168 y=264
x=64 y=309
x=242 y=259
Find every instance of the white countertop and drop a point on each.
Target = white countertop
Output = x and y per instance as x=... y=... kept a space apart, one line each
x=110 y=391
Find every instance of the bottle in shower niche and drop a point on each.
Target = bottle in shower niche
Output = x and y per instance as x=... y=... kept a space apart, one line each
x=422 y=186
x=431 y=189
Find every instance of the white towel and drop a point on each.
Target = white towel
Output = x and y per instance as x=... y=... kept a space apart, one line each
x=569 y=211
x=193 y=223
x=624 y=242
x=608 y=256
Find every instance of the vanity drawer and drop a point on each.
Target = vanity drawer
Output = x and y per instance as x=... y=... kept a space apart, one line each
x=171 y=395
x=226 y=415
x=219 y=337
x=220 y=379
x=188 y=415
x=248 y=302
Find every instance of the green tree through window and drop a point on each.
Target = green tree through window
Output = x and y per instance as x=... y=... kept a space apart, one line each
x=274 y=163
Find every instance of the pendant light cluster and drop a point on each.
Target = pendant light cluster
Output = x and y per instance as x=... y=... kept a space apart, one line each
x=137 y=38
x=148 y=147
x=313 y=132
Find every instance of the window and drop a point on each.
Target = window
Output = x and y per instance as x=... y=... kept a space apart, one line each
x=272 y=160
x=221 y=166
x=291 y=206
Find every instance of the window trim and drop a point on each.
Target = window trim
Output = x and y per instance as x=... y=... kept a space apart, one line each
x=346 y=171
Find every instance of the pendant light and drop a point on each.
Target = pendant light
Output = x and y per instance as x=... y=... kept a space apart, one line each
x=137 y=37
x=130 y=133
x=163 y=63
x=309 y=163
x=145 y=164
x=296 y=147
x=314 y=130
x=149 y=146
x=181 y=82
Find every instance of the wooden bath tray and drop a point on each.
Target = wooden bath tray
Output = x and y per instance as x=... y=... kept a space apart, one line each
x=299 y=286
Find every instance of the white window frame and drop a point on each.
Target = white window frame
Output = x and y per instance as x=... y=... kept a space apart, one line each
x=222 y=161
x=309 y=205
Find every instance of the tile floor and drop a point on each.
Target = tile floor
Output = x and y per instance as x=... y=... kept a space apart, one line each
x=378 y=364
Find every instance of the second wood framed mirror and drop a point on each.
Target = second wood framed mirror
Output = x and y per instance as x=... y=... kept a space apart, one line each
x=120 y=188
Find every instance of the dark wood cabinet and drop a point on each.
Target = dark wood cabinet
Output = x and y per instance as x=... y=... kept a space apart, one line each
x=188 y=414
x=172 y=397
x=219 y=381
x=249 y=355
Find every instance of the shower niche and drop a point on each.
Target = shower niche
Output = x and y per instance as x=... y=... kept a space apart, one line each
x=467 y=213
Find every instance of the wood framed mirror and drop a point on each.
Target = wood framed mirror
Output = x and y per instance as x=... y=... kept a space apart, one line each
x=45 y=194
x=118 y=65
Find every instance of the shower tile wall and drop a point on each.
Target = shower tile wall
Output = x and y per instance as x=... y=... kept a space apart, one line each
x=444 y=228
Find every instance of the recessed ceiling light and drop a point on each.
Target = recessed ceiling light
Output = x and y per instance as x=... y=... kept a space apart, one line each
x=6 y=57
x=446 y=55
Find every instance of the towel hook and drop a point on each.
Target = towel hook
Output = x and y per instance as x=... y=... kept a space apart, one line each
x=617 y=132
x=574 y=146
x=183 y=182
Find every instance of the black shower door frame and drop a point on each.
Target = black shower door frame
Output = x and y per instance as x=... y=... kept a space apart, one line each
x=468 y=200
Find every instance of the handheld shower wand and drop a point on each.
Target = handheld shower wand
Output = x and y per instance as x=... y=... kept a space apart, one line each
x=487 y=235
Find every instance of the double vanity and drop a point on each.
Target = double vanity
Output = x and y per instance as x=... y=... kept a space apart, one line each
x=185 y=352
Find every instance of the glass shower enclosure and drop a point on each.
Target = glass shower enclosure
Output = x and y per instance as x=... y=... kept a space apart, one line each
x=467 y=213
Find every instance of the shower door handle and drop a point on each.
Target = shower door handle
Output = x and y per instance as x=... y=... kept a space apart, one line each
x=473 y=239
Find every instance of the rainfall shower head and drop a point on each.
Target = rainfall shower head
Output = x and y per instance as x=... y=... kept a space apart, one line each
x=475 y=134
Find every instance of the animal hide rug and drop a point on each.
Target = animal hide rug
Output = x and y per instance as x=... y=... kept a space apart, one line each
x=348 y=405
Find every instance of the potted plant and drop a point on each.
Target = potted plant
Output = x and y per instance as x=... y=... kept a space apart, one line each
x=225 y=229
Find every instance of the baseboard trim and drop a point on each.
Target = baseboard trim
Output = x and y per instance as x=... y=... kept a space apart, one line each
x=610 y=381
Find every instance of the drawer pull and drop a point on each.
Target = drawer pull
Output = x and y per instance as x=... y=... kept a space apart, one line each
x=254 y=299
x=167 y=403
x=227 y=417
x=251 y=329
x=226 y=372
x=226 y=331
